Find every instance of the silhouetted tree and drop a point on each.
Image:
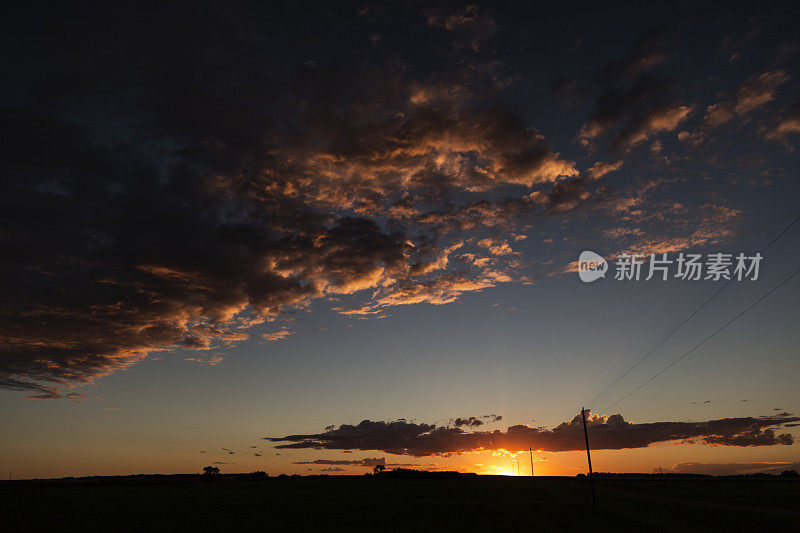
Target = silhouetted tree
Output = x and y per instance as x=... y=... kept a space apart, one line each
x=790 y=474
x=210 y=471
x=378 y=469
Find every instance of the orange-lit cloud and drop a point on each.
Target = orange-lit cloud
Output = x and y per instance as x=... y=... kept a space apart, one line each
x=785 y=125
x=753 y=94
x=247 y=197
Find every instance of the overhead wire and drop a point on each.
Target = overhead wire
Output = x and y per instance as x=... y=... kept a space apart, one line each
x=698 y=345
x=685 y=321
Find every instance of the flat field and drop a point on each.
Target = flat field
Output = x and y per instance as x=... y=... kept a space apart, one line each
x=485 y=503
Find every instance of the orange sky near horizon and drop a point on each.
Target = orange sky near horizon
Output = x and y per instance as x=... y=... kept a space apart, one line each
x=42 y=460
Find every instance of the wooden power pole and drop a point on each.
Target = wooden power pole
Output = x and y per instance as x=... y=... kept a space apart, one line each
x=588 y=455
x=531 y=451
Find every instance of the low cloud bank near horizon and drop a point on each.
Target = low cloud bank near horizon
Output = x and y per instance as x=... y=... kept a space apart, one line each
x=605 y=433
x=367 y=461
x=728 y=469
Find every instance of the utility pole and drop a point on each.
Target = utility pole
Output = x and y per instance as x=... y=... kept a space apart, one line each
x=588 y=455
x=530 y=449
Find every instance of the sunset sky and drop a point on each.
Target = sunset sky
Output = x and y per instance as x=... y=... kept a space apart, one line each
x=307 y=240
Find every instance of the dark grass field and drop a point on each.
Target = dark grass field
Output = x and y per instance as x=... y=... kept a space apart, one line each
x=484 y=503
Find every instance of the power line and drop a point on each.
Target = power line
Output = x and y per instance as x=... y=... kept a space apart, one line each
x=671 y=333
x=793 y=222
x=657 y=346
x=728 y=323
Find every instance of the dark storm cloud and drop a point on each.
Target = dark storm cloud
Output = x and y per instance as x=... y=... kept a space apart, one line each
x=631 y=115
x=785 y=125
x=648 y=51
x=753 y=437
x=170 y=184
x=468 y=422
x=631 y=104
x=116 y=263
x=606 y=433
x=175 y=176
